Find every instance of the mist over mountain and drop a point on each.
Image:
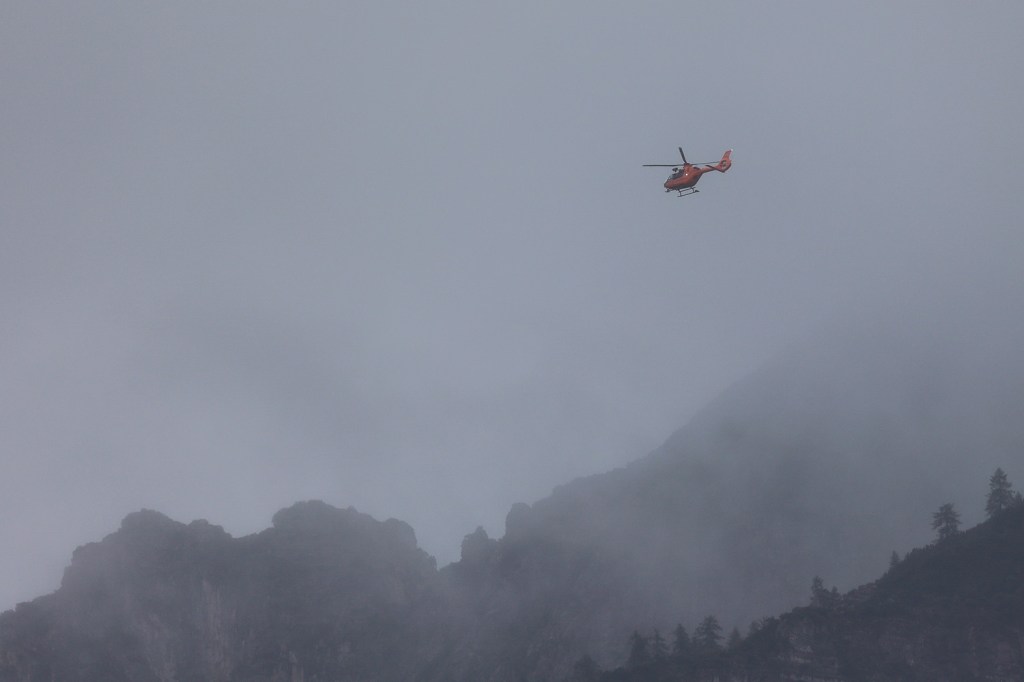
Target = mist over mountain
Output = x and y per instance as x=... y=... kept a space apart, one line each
x=820 y=464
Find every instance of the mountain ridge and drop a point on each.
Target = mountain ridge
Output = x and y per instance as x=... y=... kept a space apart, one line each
x=820 y=464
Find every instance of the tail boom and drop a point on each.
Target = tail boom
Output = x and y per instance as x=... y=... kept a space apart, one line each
x=725 y=164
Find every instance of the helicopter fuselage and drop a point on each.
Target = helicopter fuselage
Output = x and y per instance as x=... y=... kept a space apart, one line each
x=686 y=177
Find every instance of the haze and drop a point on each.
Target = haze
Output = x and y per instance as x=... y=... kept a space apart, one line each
x=404 y=256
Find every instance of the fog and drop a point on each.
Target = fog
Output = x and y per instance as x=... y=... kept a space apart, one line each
x=405 y=257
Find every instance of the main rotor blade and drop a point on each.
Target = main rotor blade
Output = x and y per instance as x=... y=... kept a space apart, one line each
x=682 y=154
x=676 y=165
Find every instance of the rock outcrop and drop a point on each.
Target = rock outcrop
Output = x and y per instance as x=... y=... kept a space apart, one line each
x=323 y=594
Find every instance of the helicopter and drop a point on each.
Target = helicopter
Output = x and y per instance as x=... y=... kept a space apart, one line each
x=684 y=177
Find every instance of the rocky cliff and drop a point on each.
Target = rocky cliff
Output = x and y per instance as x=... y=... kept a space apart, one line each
x=323 y=594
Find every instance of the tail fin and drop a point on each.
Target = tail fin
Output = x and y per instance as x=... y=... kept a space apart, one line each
x=725 y=164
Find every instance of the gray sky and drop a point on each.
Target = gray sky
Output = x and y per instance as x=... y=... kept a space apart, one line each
x=404 y=256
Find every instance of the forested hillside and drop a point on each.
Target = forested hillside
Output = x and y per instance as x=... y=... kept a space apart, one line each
x=951 y=611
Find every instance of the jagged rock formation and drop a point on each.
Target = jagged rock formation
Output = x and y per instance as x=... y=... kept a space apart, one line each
x=323 y=594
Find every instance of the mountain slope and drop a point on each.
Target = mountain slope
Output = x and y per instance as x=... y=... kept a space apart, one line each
x=820 y=464
x=950 y=612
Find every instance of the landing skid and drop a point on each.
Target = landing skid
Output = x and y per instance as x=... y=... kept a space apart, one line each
x=685 y=192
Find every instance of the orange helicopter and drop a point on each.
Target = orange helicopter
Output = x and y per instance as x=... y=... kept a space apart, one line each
x=684 y=177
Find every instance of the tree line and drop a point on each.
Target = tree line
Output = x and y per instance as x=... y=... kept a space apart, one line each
x=1001 y=496
x=652 y=657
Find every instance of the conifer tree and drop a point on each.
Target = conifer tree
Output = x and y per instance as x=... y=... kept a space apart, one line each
x=659 y=649
x=822 y=598
x=819 y=595
x=894 y=559
x=639 y=650
x=734 y=639
x=946 y=521
x=708 y=635
x=1000 y=494
x=680 y=641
